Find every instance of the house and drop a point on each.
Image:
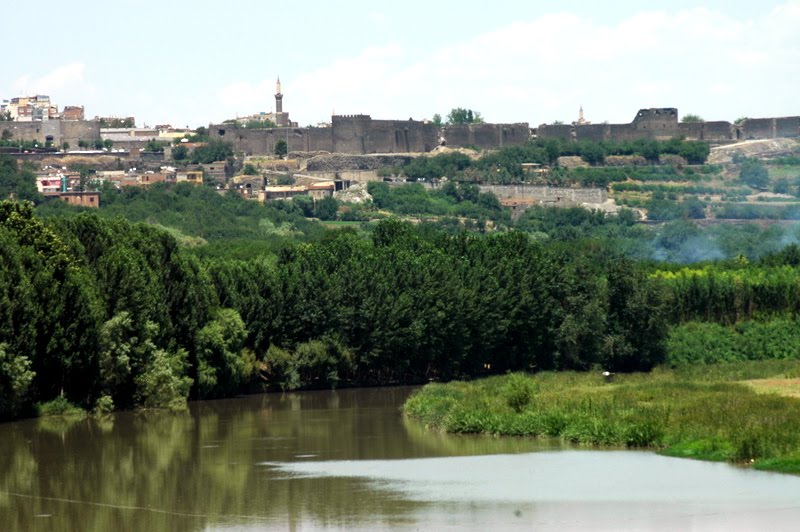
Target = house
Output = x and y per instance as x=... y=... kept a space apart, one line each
x=49 y=184
x=189 y=176
x=81 y=199
x=150 y=178
x=284 y=192
x=215 y=172
x=321 y=190
x=73 y=112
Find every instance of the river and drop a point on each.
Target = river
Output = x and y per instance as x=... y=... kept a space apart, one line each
x=348 y=460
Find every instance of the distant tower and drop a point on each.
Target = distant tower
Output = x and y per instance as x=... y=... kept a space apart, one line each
x=278 y=97
x=581 y=119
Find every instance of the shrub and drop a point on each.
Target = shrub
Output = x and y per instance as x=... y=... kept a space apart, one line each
x=518 y=391
x=59 y=406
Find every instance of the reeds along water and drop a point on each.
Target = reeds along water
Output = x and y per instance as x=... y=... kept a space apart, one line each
x=706 y=415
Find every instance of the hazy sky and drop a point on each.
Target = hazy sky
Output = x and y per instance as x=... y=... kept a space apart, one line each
x=195 y=62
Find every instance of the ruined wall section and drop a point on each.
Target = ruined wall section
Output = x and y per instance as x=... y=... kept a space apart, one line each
x=657 y=123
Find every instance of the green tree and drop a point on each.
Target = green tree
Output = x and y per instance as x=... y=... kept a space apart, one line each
x=155 y=146
x=250 y=169
x=65 y=146
x=180 y=153
x=6 y=135
x=753 y=173
x=281 y=148
x=437 y=120
x=326 y=208
x=15 y=380
x=691 y=118
x=460 y=115
x=220 y=360
x=212 y=151
x=18 y=181
x=781 y=186
x=108 y=143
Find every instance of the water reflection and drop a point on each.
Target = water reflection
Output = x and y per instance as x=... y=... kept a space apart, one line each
x=343 y=459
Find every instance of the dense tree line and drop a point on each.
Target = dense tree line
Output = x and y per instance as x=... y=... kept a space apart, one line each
x=107 y=313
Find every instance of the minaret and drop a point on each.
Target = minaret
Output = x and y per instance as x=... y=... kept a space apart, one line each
x=581 y=119
x=278 y=97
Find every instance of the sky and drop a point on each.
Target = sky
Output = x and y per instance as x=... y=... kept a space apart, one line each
x=191 y=63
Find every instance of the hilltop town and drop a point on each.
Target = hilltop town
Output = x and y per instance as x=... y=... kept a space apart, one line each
x=266 y=156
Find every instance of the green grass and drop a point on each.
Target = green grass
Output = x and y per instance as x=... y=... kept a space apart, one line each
x=777 y=172
x=701 y=412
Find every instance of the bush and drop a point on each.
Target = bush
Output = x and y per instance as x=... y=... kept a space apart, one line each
x=518 y=391
x=59 y=406
x=162 y=384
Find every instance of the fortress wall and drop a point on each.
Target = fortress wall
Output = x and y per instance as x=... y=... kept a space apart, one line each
x=759 y=128
x=691 y=130
x=360 y=134
x=350 y=133
x=262 y=141
x=595 y=132
x=75 y=130
x=420 y=137
x=486 y=136
x=720 y=130
x=514 y=134
x=35 y=131
x=788 y=126
x=57 y=131
x=457 y=136
x=385 y=137
x=625 y=132
x=555 y=131
x=665 y=118
x=319 y=139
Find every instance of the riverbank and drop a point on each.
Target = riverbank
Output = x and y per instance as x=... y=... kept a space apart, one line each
x=702 y=412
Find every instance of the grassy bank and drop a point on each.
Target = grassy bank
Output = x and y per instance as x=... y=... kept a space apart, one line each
x=703 y=412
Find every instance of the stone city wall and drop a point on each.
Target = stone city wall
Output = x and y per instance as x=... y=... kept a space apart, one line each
x=56 y=131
